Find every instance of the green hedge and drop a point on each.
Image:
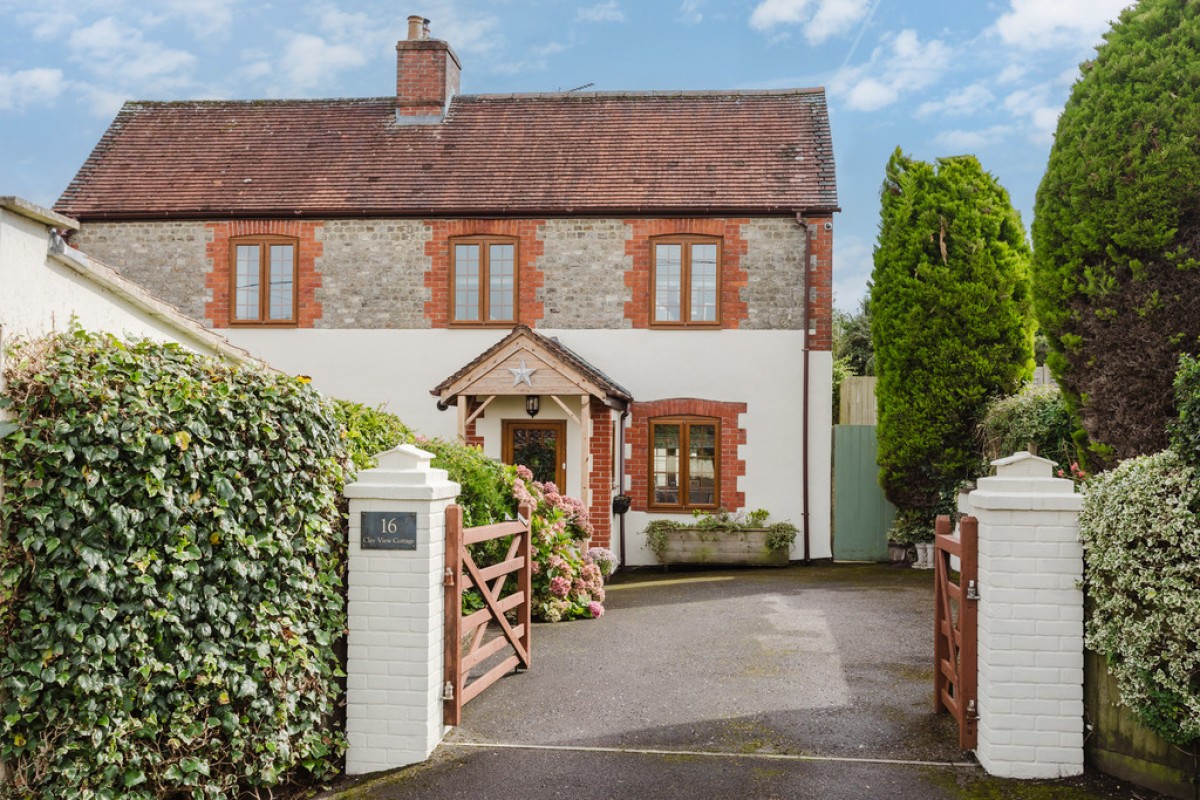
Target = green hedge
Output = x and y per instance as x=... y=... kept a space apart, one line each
x=169 y=579
x=1035 y=415
x=1140 y=529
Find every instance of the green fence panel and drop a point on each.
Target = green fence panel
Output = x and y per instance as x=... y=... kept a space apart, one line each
x=861 y=514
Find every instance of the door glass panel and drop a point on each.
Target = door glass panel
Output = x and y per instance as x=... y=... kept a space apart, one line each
x=246 y=289
x=282 y=281
x=666 y=464
x=501 y=275
x=702 y=465
x=704 y=283
x=537 y=449
x=668 y=276
x=466 y=282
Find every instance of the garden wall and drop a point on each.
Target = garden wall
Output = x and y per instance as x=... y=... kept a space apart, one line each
x=1121 y=746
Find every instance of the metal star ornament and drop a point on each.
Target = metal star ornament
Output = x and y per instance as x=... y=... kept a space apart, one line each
x=522 y=375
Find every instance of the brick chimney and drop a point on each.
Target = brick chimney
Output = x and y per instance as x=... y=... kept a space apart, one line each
x=427 y=75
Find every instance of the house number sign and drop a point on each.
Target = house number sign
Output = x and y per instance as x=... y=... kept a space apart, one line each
x=389 y=530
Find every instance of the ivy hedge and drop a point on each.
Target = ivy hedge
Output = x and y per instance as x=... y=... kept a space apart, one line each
x=169 y=579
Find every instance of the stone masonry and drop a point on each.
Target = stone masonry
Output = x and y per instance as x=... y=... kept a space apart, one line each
x=373 y=273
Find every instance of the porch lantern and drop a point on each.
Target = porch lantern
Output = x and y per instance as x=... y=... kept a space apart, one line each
x=533 y=404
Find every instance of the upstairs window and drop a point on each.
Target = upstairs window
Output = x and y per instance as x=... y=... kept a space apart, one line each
x=483 y=274
x=686 y=283
x=683 y=463
x=264 y=281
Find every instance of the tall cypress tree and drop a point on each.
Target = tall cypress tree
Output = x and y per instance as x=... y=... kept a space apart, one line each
x=951 y=320
x=1116 y=230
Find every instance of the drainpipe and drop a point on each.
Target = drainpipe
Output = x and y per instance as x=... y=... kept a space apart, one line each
x=621 y=477
x=807 y=268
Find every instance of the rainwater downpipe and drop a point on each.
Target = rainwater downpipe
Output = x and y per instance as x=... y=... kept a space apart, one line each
x=807 y=267
x=621 y=477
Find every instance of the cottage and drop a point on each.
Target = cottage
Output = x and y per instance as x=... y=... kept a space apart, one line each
x=629 y=291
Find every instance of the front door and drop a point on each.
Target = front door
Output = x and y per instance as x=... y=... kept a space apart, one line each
x=541 y=446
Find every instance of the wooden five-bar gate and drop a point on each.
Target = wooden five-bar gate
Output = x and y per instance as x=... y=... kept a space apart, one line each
x=468 y=632
x=955 y=626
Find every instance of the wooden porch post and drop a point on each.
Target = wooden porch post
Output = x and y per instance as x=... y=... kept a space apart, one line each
x=585 y=445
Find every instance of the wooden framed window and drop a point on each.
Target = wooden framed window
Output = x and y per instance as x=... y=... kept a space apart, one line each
x=263 y=290
x=684 y=463
x=483 y=280
x=685 y=283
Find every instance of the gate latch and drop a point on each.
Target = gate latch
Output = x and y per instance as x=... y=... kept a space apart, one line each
x=448 y=691
x=972 y=591
x=971 y=713
x=448 y=580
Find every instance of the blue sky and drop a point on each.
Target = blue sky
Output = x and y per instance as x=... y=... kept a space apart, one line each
x=935 y=77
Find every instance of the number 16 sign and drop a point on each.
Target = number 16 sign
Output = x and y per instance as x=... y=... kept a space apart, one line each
x=389 y=530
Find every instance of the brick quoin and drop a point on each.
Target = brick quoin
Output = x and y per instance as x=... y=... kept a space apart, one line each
x=601 y=481
x=734 y=309
x=219 y=277
x=638 y=436
x=820 y=308
x=530 y=279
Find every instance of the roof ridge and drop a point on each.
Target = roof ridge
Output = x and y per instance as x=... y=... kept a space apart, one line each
x=647 y=93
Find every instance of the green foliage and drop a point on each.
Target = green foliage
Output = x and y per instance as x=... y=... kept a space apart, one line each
x=369 y=431
x=1035 y=415
x=852 y=339
x=713 y=524
x=841 y=371
x=1117 y=230
x=1140 y=529
x=950 y=320
x=169 y=587
x=1185 y=431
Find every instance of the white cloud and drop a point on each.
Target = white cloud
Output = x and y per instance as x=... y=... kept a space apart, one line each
x=822 y=19
x=899 y=66
x=1012 y=73
x=1043 y=25
x=119 y=54
x=855 y=261
x=309 y=60
x=960 y=102
x=1035 y=107
x=690 y=13
x=203 y=17
x=28 y=87
x=601 y=12
x=962 y=141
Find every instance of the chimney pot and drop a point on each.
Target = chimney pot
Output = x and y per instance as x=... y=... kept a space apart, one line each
x=418 y=28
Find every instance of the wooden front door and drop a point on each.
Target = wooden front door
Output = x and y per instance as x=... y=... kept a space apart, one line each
x=541 y=446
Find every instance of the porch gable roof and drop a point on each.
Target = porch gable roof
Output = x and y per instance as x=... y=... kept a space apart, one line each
x=524 y=362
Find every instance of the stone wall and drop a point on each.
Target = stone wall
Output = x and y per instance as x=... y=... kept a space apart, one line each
x=375 y=273
x=168 y=258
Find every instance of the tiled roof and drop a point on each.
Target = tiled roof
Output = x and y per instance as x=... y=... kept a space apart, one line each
x=536 y=154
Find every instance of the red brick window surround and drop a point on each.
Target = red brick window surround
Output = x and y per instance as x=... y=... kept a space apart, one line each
x=701 y=432
x=647 y=266
x=281 y=301
x=440 y=276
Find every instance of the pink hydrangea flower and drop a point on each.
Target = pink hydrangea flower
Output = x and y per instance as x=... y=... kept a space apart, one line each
x=560 y=587
x=595 y=609
x=524 y=473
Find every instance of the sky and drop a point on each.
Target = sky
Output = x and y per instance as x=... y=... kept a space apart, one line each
x=934 y=77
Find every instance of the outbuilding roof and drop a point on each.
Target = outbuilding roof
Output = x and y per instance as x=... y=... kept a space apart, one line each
x=735 y=152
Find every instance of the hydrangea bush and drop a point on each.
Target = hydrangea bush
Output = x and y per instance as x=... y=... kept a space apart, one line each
x=1140 y=528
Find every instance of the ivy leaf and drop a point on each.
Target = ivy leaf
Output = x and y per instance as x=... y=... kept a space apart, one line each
x=7 y=428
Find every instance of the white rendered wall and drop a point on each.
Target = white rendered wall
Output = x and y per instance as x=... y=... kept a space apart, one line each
x=1030 y=621
x=39 y=294
x=761 y=368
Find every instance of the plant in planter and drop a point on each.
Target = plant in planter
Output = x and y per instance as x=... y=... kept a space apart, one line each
x=913 y=526
x=719 y=537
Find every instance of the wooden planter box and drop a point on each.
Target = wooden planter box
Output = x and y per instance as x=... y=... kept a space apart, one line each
x=740 y=547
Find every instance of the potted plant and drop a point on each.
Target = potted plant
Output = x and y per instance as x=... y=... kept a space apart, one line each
x=719 y=537
x=913 y=527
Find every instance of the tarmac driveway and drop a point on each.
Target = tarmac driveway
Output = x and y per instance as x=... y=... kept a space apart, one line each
x=777 y=683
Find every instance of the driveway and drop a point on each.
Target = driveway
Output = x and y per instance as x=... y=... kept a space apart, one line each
x=784 y=683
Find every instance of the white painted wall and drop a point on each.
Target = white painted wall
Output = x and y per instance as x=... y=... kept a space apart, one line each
x=760 y=368
x=44 y=286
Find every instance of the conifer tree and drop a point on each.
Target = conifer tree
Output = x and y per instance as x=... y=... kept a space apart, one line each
x=951 y=320
x=1116 y=230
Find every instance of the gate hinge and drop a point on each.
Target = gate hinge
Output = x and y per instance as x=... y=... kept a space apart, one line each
x=448 y=691
x=972 y=591
x=448 y=580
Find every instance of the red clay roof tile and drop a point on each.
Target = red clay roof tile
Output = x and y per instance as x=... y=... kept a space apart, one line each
x=590 y=153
